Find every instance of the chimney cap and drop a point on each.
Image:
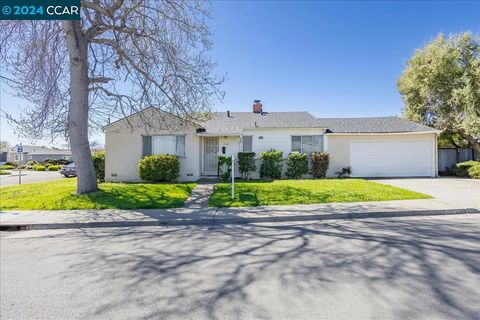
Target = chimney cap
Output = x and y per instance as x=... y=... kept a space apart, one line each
x=257 y=101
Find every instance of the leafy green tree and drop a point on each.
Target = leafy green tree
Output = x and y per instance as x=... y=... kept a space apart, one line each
x=440 y=86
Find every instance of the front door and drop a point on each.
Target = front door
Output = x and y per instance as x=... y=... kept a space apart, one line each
x=210 y=155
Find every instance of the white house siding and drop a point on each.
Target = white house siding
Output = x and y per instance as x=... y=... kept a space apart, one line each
x=279 y=139
x=339 y=147
x=123 y=150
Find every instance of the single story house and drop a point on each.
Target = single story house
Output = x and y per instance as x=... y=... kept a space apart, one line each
x=372 y=147
x=38 y=153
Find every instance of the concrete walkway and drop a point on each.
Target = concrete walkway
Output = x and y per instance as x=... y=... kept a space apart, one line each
x=198 y=199
x=63 y=219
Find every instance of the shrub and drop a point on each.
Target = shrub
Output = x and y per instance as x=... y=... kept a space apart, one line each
x=246 y=164
x=271 y=166
x=4 y=173
x=159 y=168
x=99 y=163
x=31 y=162
x=38 y=167
x=345 y=173
x=12 y=163
x=297 y=165
x=7 y=167
x=53 y=168
x=224 y=168
x=320 y=163
x=468 y=169
x=56 y=162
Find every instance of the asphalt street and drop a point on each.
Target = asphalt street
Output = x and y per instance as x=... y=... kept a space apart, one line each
x=29 y=176
x=397 y=268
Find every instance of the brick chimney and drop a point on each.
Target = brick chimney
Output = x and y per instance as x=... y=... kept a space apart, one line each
x=257 y=106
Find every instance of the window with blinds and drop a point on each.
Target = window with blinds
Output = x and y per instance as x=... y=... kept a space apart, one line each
x=307 y=144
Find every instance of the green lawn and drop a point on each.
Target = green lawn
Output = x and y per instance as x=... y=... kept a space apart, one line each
x=286 y=192
x=60 y=195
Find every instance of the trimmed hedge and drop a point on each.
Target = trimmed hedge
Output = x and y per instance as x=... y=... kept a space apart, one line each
x=38 y=167
x=53 y=168
x=297 y=165
x=246 y=164
x=271 y=166
x=468 y=169
x=320 y=163
x=159 y=168
x=7 y=167
x=99 y=164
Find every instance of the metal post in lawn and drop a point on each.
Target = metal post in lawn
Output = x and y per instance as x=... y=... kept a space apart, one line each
x=233 y=177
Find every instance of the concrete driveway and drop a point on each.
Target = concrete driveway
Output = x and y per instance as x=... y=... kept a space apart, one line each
x=461 y=192
x=29 y=177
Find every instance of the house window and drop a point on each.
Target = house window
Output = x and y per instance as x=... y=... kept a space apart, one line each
x=247 y=144
x=307 y=144
x=169 y=144
x=15 y=157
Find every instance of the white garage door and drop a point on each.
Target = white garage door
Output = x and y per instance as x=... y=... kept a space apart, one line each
x=400 y=158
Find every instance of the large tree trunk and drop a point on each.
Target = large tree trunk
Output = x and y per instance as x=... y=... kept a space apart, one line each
x=78 y=108
x=473 y=142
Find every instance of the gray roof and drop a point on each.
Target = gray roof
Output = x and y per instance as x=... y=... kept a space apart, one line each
x=372 y=125
x=238 y=121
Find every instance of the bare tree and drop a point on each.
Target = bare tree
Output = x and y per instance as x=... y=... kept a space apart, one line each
x=121 y=57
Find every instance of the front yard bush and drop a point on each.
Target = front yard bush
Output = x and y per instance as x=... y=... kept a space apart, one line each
x=468 y=169
x=38 y=167
x=53 y=168
x=271 y=166
x=224 y=168
x=7 y=167
x=11 y=163
x=320 y=164
x=297 y=165
x=99 y=163
x=246 y=164
x=4 y=173
x=159 y=168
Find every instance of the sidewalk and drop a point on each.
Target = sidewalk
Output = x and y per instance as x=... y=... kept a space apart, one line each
x=64 y=219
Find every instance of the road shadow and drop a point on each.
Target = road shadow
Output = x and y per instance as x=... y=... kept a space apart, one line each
x=405 y=268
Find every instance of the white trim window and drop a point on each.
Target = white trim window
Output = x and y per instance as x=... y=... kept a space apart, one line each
x=307 y=144
x=169 y=145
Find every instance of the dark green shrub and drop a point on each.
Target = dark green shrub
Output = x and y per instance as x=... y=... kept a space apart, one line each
x=159 y=168
x=297 y=165
x=224 y=170
x=7 y=167
x=271 y=166
x=38 y=167
x=56 y=162
x=31 y=162
x=320 y=163
x=53 y=168
x=99 y=163
x=345 y=173
x=246 y=164
x=468 y=169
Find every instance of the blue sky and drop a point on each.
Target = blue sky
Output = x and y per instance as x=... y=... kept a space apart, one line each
x=333 y=59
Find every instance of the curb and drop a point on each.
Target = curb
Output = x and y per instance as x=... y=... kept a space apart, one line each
x=219 y=220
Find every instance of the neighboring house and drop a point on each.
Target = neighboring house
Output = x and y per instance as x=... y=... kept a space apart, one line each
x=373 y=147
x=38 y=153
